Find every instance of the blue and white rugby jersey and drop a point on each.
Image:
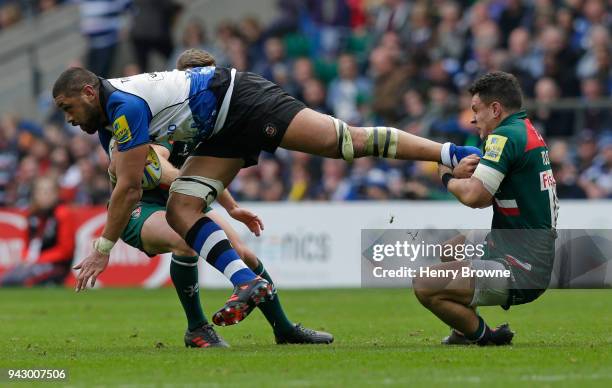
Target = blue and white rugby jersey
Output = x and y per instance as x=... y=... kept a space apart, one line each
x=165 y=106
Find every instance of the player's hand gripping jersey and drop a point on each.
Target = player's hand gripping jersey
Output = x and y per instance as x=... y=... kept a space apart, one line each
x=516 y=169
x=177 y=105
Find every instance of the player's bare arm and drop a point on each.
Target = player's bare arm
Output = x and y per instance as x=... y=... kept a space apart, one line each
x=125 y=196
x=127 y=192
x=469 y=191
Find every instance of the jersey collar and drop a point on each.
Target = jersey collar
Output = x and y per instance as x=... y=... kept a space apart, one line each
x=520 y=115
x=106 y=89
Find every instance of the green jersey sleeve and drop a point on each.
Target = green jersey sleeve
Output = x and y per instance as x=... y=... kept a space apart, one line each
x=501 y=150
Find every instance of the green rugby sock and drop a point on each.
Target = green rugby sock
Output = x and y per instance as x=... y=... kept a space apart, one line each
x=273 y=310
x=184 y=274
x=482 y=333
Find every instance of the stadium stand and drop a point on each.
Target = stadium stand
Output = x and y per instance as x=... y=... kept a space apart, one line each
x=392 y=62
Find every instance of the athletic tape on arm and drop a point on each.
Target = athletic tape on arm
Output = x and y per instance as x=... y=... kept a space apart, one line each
x=490 y=177
x=345 y=142
x=381 y=142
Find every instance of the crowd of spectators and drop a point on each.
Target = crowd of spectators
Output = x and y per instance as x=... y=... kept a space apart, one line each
x=388 y=62
x=14 y=11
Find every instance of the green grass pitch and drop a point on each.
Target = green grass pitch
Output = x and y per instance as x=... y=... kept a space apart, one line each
x=133 y=338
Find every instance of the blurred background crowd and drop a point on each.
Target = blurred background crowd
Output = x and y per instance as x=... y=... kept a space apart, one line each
x=396 y=63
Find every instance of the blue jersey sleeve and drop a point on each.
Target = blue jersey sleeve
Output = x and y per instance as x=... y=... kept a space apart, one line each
x=129 y=116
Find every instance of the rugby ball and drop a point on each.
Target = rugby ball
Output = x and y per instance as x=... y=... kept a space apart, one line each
x=152 y=172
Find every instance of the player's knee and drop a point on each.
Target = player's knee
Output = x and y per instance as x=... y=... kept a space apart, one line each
x=177 y=211
x=183 y=208
x=195 y=191
x=423 y=291
x=421 y=296
x=171 y=215
x=182 y=252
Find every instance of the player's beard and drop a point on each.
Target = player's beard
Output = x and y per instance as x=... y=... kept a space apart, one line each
x=95 y=119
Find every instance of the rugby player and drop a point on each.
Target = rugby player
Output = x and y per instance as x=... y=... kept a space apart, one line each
x=515 y=177
x=148 y=231
x=231 y=116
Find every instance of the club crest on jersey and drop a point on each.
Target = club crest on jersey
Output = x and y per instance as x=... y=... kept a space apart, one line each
x=270 y=130
x=136 y=213
x=121 y=130
x=494 y=147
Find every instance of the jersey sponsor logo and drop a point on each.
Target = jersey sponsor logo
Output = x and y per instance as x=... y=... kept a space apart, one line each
x=121 y=130
x=547 y=180
x=136 y=213
x=494 y=147
x=548 y=183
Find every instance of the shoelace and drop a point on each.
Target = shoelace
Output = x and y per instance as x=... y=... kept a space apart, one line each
x=211 y=333
x=304 y=330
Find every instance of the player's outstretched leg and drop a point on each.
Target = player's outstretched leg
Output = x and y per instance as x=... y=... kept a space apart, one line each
x=319 y=134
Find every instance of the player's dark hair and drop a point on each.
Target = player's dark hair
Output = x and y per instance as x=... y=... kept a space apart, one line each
x=72 y=81
x=194 y=58
x=501 y=87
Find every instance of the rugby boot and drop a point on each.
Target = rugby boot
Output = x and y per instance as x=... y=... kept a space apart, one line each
x=304 y=335
x=244 y=299
x=502 y=335
x=204 y=336
x=456 y=338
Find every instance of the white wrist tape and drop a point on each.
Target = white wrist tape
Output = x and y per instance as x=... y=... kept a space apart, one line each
x=103 y=245
x=445 y=156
